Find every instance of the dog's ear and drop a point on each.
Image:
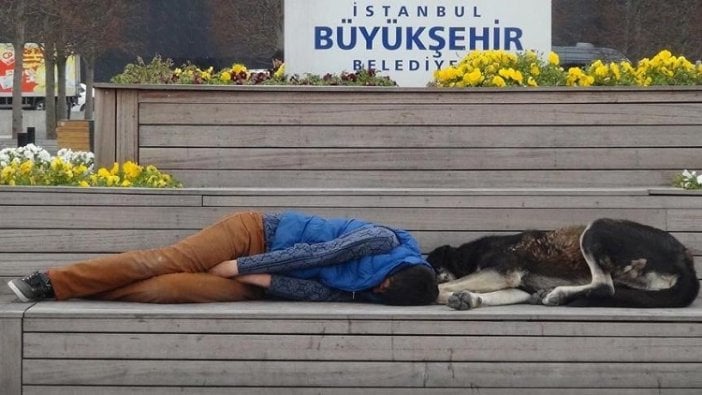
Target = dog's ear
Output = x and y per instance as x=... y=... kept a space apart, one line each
x=441 y=256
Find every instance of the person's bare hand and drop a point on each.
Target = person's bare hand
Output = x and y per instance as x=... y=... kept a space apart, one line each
x=226 y=269
x=262 y=279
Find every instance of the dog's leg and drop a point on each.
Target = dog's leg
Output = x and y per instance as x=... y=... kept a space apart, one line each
x=465 y=300
x=480 y=282
x=601 y=284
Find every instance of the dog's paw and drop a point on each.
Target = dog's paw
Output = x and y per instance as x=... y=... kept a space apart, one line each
x=538 y=296
x=556 y=297
x=464 y=301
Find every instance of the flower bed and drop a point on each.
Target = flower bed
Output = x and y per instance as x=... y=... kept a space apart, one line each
x=33 y=165
x=477 y=69
x=501 y=69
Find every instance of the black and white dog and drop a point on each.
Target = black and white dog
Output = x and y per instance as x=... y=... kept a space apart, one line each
x=608 y=263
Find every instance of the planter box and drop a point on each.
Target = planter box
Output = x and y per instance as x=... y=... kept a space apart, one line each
x=378 y=137
x=75 y=134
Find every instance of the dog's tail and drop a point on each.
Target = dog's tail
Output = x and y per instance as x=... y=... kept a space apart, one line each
x=682 y=294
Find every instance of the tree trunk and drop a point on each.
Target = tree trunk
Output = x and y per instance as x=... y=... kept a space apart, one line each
x=62 y=108
x=18 y=44
x=50 y=77
x=89 y=80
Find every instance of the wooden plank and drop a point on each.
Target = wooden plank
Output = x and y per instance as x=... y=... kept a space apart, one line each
x=424 y=179
x=93 y=241
x=19 y=264
x=360 y=348
x=684 y=220
x=105 y=127
x=455 y=201
x=92 y=390
x=425 y=136
x=423 y=159
x=76 y=140
x=127 y=120
x=362 y=374
x=421 y=114
x=79 y=309
x=60 y=249
x=336 y=94
x=460 y=326
x=82 y=197
x=431 y=219
x=11 y=346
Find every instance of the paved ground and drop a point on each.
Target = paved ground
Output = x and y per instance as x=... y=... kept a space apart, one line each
x=31 y=118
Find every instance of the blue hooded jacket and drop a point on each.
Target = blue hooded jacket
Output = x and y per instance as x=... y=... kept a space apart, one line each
x=355 y=275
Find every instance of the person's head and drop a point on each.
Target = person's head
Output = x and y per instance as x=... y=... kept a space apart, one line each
x=409 y=286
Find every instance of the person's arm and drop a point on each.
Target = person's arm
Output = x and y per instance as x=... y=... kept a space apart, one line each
x=290 y=288
x=364 y=241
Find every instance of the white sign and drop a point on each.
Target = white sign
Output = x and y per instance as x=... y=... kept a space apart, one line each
x=407 y=40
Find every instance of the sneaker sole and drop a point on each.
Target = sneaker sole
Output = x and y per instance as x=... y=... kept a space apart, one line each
x=17 y=292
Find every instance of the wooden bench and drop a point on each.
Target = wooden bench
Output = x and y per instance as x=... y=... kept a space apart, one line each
x=447 y=165
x=83 y=347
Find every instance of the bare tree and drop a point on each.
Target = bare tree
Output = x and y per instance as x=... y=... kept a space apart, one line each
x=639 y=28
x=60 y=18
x=255 y=27
x=14 y=14
x=102 y=29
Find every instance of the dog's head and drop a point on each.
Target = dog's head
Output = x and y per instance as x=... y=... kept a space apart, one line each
x=442 y=259
x=451 y=263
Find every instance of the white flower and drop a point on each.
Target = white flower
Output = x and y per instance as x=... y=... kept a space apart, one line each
x=686 y=173
x=699 y=179
x=44 y=156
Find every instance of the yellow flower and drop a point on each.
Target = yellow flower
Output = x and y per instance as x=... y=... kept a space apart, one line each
x=512 y=74
x=280 y=72
x=239 y=68
x=225 y=76
x=56 y=163
x=554 y=59
x=115 y=169
x=126 y=183
x=81 y=169
x=83 y=184
x=664 y=54
x=103 y=173
x=615 y=70
x=7 y=172
x=498 y=81
x=532 y=82
x=26 y=167
x=474 y=78
x=534 y=69
x=601 y=71
x=131 y=169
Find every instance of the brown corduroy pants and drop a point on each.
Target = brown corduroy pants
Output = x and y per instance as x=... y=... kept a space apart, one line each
x=173 y=274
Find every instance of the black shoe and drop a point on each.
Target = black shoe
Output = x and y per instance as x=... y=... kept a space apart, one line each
x=36 y=286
